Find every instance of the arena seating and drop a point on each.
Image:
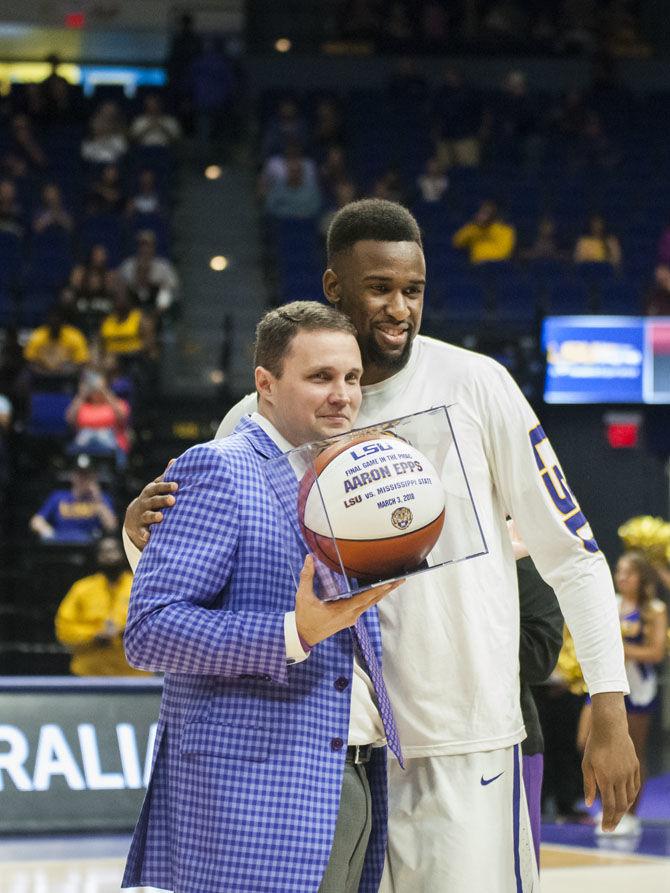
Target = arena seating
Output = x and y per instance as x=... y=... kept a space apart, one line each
x=631 y=190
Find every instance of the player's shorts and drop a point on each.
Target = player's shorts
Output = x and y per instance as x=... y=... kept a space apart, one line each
x=459 y=824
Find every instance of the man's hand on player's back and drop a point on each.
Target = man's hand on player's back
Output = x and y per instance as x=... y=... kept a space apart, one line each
x=146 y=509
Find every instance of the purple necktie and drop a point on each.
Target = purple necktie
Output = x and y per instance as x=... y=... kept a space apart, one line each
x=328 y=581
x=362 y=639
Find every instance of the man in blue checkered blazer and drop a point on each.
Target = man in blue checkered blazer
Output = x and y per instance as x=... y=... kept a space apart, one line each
x=247 y=780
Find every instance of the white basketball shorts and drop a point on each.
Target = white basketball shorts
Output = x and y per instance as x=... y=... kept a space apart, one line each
x=459 y=824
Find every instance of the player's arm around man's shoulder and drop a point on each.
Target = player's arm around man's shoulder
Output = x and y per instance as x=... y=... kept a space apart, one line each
x=190 y=557
x=146 y=510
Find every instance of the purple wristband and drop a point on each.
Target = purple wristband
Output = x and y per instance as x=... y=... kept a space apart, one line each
x=305 y=647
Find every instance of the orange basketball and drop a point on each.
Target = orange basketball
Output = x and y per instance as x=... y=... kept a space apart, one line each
x=379 y=499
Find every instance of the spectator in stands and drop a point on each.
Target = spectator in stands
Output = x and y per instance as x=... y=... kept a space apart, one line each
x=658 y=298
x=106 y=194
x=106 y=142
x=333 y=170
x=344 y=192
x=459 y=122
x=60 y=106
x=154 y=127
x=296 y=197
x=276 y=168
x=152 y=281
x=597 y=244
x=56 y=349
x=128 y=339
x=146 y=199
x=51 y=214
x=594 y=148
x=34 y=103
x=397 y=30
x=486 y=237
x=10 y=210
x=99 y=419
x=433 y=182
x=128 y=333
x=79 y=514
x=53 y=59
x=328 y=127
x=390 y=186
x=545 y=244
x=184 y=48
x=92 y=289
x=213 y=86
x=15 y=168
x=92 y=617
x=514 y=124
x=25 y=144
x=287 y=127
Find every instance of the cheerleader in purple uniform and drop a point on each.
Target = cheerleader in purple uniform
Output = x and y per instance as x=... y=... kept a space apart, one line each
x=644 y=627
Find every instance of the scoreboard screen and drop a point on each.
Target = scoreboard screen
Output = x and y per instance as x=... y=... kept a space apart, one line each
x=606 y=359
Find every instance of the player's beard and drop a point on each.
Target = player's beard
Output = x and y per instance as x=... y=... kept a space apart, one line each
x=373 y=355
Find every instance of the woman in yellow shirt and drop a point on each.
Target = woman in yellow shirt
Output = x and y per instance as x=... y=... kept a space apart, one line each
x=597 y=245
x=127 y=331
x=92 y=616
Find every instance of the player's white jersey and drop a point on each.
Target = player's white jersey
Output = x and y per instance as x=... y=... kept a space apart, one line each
x=451 y=637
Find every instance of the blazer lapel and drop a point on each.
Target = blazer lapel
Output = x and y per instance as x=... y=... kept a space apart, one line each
x=278 y=472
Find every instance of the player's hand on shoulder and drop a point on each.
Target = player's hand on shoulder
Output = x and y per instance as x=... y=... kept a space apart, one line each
x=317 y=620
x=146 y=509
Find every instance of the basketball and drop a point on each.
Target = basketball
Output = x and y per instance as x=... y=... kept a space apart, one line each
x=384 y=502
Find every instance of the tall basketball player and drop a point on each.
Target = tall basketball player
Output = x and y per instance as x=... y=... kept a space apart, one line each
x=457 y=816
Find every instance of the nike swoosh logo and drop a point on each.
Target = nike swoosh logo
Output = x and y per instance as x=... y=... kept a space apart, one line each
x=486 y=781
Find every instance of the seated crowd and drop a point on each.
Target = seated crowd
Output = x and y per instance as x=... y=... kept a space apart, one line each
x=87 y=289
x=499 y=176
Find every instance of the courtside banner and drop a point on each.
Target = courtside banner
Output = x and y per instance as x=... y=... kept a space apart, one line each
x=75 y=754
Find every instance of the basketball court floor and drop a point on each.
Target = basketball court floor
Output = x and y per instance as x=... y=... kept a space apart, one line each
x=573 y=861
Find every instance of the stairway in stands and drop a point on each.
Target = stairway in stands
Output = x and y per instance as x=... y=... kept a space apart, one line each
x=214 y=334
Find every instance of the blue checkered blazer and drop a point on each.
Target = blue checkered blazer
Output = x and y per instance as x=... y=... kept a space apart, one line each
x=246 y=777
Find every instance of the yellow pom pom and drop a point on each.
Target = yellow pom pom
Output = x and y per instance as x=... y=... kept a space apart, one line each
x=651 y=535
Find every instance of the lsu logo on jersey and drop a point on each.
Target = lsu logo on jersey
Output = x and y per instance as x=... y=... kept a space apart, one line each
x=557 y=487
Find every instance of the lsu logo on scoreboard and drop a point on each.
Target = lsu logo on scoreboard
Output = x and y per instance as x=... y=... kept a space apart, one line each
x=557 y=487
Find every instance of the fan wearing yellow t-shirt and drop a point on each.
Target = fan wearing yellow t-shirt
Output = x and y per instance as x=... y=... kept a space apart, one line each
x=56 y=348
x=486 y=237
x=92 y=616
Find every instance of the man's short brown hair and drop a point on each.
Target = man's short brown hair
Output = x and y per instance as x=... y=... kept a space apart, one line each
x=278 y=328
